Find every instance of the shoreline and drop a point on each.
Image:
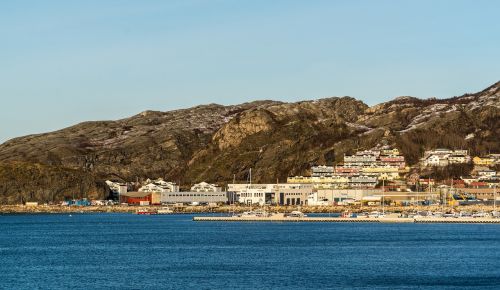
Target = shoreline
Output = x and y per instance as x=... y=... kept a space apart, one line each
x=55 y=209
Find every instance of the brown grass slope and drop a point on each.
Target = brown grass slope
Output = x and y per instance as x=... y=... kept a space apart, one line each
x=215 y=143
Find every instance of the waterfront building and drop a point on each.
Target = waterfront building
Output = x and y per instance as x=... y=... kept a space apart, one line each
x=140 y=198
x=194 y=197
x=293 y=194
x=401 y=198
x=336 y=196
x=278 y=193
x=254 y=196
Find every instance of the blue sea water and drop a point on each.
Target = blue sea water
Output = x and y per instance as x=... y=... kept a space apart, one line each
x=125 y=251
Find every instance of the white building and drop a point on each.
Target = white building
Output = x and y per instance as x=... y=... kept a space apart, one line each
x=322 y=170
x=444 y=157
x=340 y=195
x=362 y=181
x=117 y=187
x=486 y=174
x=159 y=185
x=205 y=187
x=193 y=197
x=254 y=196
x=458 y=158
x=434 y=160
x=281 y=193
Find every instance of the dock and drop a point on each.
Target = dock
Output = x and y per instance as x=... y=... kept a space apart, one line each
x=349 y=220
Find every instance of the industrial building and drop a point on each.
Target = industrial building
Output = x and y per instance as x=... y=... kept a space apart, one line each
x=194 y=197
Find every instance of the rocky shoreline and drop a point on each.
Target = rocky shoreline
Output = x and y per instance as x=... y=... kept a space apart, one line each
x=56 y=209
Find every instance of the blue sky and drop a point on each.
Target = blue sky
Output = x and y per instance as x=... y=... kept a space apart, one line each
x=63 y=62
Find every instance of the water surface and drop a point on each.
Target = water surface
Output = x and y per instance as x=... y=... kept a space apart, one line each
x=125 y=251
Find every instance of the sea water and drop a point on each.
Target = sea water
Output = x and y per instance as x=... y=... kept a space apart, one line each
x=126 y=251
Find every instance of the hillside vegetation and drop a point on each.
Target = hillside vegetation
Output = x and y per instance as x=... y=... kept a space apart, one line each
x=214 y=142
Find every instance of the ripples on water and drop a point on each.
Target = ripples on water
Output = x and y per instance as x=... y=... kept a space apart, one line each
x=125 y=251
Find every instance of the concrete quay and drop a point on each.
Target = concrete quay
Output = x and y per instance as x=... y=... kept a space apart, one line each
x=349 y=220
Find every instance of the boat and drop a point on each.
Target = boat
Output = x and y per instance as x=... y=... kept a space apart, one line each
x=363 y=215
x=375 y=214
x=165 y=210
x=480 y=214
x=146 y=212
x=465 y=214
x=296 y=214
x=253 y=214
x=437 y=214
x=348 y=214
x=450 y=215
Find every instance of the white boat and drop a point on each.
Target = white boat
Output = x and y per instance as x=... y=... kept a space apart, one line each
x=465 y=214
x=375 y=214
x=165 y=210
x=296 y=214
x=437 y=214
x=253 y=214
x=480 y=214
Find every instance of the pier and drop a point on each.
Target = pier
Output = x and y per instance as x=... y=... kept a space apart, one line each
x=349 y=220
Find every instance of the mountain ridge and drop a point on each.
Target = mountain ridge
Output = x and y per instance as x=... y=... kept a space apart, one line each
x=216 y=142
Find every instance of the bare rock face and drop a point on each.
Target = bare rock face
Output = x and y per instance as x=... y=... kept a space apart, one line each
x=216 y=143
x=249 y=123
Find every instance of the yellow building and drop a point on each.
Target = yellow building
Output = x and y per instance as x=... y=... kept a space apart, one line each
x=299 y=179
x=321 y=182
x=394 y=152
x=487 y=161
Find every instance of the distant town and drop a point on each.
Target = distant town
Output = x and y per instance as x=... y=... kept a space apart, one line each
x=368 y=178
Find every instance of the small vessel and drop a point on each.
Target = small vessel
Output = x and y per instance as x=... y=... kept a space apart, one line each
x=437 y=214
x=363 y=215
x=375 y=214
x=165 y=210
x=480 y=214
x=257 y=213
x=296 y=214
x=146 y=212
x=450 y=215
x=348 y=214
x=465 y=214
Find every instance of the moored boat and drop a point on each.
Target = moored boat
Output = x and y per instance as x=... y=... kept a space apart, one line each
x=165 y=210
x=146 y=212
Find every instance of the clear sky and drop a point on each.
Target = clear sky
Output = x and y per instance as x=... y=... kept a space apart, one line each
x=63 y=62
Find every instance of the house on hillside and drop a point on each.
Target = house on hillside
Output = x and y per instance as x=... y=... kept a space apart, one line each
x=159 y=185
x=484 y=161
x=205 y=187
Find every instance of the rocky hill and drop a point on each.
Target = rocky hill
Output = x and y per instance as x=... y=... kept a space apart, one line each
x=216 y=143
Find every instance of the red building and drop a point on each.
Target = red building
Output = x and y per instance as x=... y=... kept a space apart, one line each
x=135 y=198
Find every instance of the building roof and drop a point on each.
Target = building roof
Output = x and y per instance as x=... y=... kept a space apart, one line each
x=136 y=194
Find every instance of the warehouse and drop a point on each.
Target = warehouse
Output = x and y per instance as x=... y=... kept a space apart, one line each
x=194 y=197
x=140 y=198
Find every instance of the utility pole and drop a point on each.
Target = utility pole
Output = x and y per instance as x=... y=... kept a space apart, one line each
x=495 y=200
x=383 y=195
